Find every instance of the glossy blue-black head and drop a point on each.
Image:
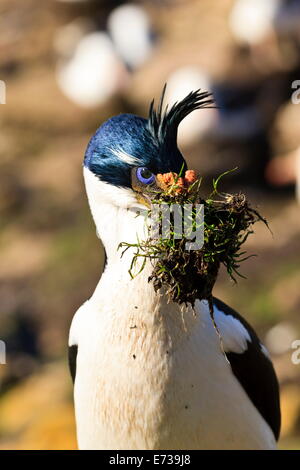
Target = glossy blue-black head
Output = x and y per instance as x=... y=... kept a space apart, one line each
x=128 y=141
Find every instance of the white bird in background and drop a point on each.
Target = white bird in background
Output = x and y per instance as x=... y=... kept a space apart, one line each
x=95 y=65
x=241 y=121
x=146 y=374
x=94 y=72
x=251 y=21
x=132 y=34
x=200 y=122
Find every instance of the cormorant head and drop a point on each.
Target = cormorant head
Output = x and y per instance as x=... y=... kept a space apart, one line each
x=125 y=155
x=128 y=142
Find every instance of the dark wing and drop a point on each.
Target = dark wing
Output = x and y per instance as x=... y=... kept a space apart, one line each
x=72 y=360
x=256 y=374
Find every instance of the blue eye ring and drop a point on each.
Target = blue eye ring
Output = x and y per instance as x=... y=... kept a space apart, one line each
x=144 y=175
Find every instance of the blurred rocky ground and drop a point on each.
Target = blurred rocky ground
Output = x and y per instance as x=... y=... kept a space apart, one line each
x=50 y=256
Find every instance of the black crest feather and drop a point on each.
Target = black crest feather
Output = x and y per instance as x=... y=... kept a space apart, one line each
x=163 y=125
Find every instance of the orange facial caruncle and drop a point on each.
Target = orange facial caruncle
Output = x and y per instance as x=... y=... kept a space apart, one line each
x=179 y=185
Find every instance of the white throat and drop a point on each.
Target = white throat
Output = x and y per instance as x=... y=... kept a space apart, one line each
x=117 y=215
x=115 y=212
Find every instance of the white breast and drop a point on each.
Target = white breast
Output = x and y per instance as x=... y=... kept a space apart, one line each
x=152 y=377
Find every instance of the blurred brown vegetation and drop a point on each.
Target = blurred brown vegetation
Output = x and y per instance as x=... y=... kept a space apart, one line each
x=51 y=259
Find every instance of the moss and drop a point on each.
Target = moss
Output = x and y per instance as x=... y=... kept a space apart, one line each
x=190 y=275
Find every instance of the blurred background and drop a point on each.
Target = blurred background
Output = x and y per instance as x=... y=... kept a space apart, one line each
x=70 y=65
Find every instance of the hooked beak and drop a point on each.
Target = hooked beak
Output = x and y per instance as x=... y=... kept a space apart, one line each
x=144 y=198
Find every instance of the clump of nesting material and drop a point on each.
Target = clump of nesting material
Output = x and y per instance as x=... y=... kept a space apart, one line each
x=188 y=275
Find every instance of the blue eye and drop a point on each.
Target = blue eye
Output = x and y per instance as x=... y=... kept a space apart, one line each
x=144 y=175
